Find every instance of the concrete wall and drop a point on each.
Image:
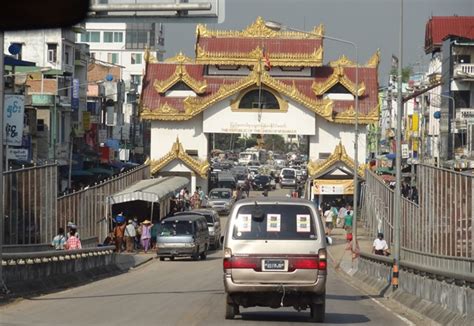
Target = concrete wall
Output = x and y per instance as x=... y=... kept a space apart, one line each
x=328 y=135
x=190 y=133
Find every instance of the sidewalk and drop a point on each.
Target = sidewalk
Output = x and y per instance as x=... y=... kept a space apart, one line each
x=340 y=252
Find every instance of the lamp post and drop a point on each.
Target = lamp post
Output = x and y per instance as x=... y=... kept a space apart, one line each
x=278 y=26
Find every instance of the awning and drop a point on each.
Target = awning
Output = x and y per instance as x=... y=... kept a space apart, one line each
x=152 y=190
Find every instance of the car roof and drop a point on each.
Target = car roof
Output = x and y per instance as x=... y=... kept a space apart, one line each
x=200 y=212
x=189 y=217
x=221 y=189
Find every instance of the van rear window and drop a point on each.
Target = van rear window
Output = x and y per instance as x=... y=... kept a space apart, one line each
x=278 y=222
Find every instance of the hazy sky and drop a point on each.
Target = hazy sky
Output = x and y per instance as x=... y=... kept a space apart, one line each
x=371 y=24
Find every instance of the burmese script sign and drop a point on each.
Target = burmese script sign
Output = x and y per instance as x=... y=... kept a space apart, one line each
x=13 y=119
x=296 y=121
x=259 y=128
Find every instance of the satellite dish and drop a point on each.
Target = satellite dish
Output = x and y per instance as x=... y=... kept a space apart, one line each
x=437 y=115
x=109 y=77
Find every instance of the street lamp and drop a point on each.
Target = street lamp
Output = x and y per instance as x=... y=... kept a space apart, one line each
x=277 y=27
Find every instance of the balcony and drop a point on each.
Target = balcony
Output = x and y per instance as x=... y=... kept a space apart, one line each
x=464 y=71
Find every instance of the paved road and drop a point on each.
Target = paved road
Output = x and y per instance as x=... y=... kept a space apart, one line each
x=182 y=292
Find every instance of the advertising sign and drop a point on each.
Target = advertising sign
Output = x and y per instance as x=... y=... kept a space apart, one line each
x=20 y=154
x=405 y=151
x=86 y=121
x=75 y=94
x=13 y=119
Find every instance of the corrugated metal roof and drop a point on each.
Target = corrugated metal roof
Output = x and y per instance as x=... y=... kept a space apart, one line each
x=437 y=28
x=151 y=190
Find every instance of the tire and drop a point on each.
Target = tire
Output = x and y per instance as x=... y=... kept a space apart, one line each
x=318 y=312
x=195 y=255
x=231 y=310
x=217 y=244
x=162 y=258
x=203 y=255
x=172 y=258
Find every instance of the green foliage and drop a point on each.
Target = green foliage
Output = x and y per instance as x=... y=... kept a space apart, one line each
x=406 y=73
x=274 y=143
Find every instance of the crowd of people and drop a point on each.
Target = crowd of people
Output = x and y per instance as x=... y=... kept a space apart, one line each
x=67 y=241
x=337 y=215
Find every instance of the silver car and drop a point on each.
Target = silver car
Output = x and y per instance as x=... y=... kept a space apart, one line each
x=275 y=256
x=213 y=224
x=220 y=199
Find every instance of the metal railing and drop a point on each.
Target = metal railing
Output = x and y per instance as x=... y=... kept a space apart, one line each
x=88 y=208
x=30 y=204
x=33 y=212
x=436 y=233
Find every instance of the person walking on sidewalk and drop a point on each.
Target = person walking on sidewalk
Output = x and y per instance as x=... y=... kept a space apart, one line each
x=146 y=234
x=119 y=232
x=328 y=218
x=59 y=240
x=130 y=234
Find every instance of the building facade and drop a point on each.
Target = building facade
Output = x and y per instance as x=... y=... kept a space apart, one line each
x=257 y=81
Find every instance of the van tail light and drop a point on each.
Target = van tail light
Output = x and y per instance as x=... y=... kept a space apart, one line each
x=241 y=262
x=305 y=263
x=323 y=265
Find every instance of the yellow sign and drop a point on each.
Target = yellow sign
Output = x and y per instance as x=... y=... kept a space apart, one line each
x=86 y=121
x=333 y=187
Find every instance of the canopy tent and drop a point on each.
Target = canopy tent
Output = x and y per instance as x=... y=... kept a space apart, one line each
x=151 y=190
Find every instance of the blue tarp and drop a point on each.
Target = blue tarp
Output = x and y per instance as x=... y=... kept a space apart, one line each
x=11 y=61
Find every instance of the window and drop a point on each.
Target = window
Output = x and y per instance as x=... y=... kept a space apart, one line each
x=52 y=52
x=287 y=222
x=93 y=37
x=113 y=37
x=136 y=58
x=252 y=99
x=40 y=125
x=108 y=37
x=112 y=57
x=136 y=79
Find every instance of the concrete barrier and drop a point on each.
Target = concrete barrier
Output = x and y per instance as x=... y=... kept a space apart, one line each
x=28 y=273
x=440 y=299
x=86 y=243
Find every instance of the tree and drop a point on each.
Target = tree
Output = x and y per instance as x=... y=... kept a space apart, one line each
x=275 y=143
x=406 y=73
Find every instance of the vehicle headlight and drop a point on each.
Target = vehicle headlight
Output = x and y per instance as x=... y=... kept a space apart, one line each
x=189 y=244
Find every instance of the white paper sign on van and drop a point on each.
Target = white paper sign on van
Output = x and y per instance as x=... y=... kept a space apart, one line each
x=273 y=222
x=244 y=223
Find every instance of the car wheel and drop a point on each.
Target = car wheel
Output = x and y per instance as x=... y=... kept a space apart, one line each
x=204 y=255
x=217 y=245
x=195 y=255
x=318 y=311
x=162 y=258
x=172 y=258
x=231 y=310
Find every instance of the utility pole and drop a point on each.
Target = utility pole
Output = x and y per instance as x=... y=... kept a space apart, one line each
x=398 y=160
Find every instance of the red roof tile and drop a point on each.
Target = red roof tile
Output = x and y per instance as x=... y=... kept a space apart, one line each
x=437 y=28
x=245 y=45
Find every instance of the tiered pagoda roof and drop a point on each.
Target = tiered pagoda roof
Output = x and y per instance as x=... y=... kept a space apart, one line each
x=246 y=49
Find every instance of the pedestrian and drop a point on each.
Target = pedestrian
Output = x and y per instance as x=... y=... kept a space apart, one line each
x=130 y=234
x=73 y=242
x=201 y=194
x=154 y=234
x=380 y=246
x=119 y=232
x=328 y=218
x=119 y=218
x=72 y=226
x=195 y=200
x=59 y=240
x=145 y=229
x=341 y=214
x=348 y=222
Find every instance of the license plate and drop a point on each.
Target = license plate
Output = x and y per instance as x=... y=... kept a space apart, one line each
x=279 y=265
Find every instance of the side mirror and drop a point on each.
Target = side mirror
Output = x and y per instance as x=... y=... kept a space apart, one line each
x=329 y=240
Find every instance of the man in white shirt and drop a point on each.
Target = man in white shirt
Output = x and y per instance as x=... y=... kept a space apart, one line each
x=380 y=246
x=328 y=218
x=130 y=234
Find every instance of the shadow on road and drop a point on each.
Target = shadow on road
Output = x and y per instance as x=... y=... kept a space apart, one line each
x=186 y=292
x=285 y=316
x=346 y=297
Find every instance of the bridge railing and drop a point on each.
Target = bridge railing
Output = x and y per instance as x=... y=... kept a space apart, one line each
x=436 y=233
x=33 y=212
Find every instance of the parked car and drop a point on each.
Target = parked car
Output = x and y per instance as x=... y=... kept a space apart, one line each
x=181 y=236
x=226 y=180
x=213 y=224
x=262 y=182
x=220 y=199
x=275 y=255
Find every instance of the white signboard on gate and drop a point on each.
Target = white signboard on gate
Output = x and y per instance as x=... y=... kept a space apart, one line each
x=331 y=190
x=13 y=116
x=20 y=154
x=222 y=119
